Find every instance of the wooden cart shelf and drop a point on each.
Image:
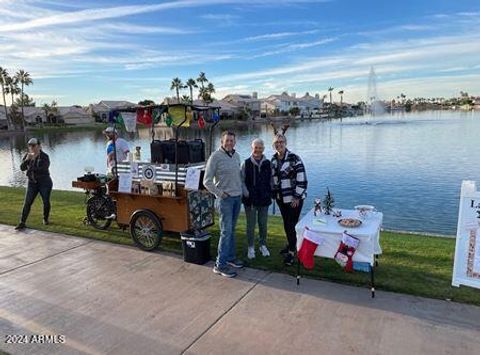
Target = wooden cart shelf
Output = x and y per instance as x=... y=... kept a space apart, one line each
x=116 y=193
x=86 y=185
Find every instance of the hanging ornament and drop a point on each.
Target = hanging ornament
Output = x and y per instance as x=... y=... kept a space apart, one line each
x=169 y=120
x=201 y=121
x=216 y=117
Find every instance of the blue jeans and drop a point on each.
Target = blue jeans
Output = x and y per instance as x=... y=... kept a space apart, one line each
x=251 y=213
x=228 y=208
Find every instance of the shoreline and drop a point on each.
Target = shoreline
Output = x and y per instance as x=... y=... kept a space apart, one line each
x=388 y=230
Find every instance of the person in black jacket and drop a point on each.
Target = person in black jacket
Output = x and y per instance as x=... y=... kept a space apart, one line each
x=257 y=196
x=36 y=164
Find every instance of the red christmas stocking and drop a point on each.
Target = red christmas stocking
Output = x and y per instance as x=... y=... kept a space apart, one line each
x=346 y=249
x=309 y=244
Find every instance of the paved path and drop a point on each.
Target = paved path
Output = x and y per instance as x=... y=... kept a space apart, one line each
x=110 y=299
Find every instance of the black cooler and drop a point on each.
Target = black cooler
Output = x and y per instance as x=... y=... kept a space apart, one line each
x=196 y=247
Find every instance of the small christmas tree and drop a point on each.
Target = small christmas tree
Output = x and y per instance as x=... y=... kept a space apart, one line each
x=328 y=202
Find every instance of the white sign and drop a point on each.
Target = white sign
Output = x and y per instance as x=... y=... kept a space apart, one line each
x=466 y=266
x=134 y=169
x=125 y=183
x=192 y=179
x=148 y=172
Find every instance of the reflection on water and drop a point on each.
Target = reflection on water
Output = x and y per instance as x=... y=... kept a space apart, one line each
x=408 y=166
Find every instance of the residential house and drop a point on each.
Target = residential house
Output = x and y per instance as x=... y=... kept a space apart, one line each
x=476 y=103
x=284 y=102
x=75 y=115
x=101 y=110
x=249 y=103
x=69 y=115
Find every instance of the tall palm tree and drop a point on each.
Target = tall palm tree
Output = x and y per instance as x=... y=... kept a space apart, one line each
x=24 y=79
x=202 y=79
x=3 y=84
x=330 y=89
x=12 y=89
x=341 y=97
x=203 y=94
x=191 y=83
x=177 y=85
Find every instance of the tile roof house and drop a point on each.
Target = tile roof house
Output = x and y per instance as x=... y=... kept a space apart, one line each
x=103 y=108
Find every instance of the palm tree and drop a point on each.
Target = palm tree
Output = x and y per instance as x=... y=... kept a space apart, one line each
x=51 y=109
x=191 y=83
x=211 y=89
x=203 y=94
x=202 y=79
x=341 y=97
x=177 y=85
x=12 y=89
x=330 y=89
x=46 y=110
x=3 y=84
x=24 y=79
x=25 y=100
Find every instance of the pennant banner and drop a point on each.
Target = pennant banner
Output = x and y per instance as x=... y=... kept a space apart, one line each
x=129 y=120
x=178 y=115
x=144 y=116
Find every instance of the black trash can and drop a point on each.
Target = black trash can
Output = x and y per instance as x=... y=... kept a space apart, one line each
x=196 y=247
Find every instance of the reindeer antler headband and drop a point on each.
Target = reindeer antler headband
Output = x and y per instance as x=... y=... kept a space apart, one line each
x=284 y=129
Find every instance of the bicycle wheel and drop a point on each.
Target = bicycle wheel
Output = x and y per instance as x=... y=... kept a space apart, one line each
x=146 y=230
x=100 y=211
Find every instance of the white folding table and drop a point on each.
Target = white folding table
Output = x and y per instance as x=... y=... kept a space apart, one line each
x=331 y=235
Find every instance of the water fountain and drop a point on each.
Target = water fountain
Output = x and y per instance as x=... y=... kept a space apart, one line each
x=376 y=106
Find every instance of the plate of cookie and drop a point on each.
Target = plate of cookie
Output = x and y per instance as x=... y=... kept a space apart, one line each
x=349 y=222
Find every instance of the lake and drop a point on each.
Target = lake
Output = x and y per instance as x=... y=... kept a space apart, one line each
x=410 y=166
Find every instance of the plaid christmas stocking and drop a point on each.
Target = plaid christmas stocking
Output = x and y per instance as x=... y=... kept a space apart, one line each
x=346 y=249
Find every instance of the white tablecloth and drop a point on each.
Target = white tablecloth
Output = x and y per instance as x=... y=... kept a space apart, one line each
x=331 y=234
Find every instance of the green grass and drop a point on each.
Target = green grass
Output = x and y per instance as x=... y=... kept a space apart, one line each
x=411 y=264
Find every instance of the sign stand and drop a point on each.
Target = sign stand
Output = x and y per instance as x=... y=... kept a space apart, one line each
x=466 y=266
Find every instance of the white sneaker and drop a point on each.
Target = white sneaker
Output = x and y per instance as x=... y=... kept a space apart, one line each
x=264 y=250
x=251 y=253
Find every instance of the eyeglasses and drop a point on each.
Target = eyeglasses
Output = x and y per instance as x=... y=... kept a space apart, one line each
x=279 y=142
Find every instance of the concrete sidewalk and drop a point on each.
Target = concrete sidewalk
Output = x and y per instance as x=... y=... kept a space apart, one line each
x=106 y=298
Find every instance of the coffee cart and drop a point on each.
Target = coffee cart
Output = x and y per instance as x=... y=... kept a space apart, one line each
x=149 y=197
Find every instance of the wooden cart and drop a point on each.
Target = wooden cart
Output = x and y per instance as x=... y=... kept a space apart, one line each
x=148 y=215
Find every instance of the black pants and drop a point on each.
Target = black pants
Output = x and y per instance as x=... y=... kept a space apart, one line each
x=290 y=218
x=44 y=187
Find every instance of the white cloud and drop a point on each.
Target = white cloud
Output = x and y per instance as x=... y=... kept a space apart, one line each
x=277 y=35
x=293 y=47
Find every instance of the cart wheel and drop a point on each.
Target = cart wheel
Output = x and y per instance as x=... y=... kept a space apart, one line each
x=100 y=211
x=146 y=230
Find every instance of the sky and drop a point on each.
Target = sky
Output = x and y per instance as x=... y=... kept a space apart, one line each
x=81 y=52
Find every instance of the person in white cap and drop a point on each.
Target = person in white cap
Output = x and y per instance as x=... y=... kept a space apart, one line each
x=36 y=164
x=117 y=144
